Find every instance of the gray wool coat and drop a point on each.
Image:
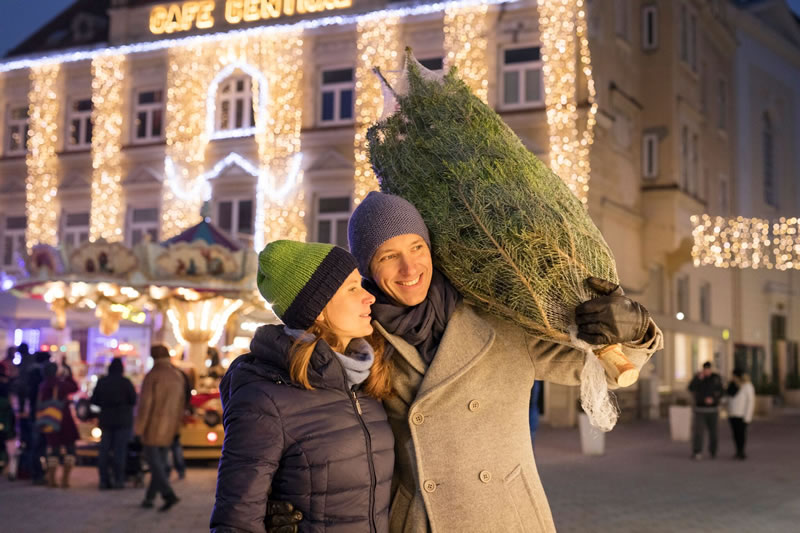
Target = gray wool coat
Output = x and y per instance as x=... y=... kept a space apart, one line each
x=463 y=456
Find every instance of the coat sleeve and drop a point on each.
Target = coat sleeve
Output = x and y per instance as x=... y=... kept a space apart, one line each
x=145 y=406
x=562 y=364
x=253 y=447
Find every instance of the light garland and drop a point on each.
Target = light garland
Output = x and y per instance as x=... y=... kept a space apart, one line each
x=378 y=44
x=560 y=22
x=465 y=45
x=188 y=74
x=42 y=159
x=280 y=199
x=272 y=30
x=107 y=221
x=731 y=243
x=786 y=238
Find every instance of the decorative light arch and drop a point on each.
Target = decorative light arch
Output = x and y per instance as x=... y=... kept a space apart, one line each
x=211 y=100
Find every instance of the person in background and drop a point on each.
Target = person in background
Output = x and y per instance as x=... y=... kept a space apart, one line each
x=59 y=385
x=706 y=387
x=8 y=427
x=741 y=405
x=158 y=420
x=533 y=411
x=115 y=395
x=34 y=442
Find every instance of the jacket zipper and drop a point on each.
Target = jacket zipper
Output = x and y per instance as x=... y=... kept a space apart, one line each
x=372 y=477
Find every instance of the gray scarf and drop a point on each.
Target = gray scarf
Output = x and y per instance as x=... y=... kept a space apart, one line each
x=357 y=362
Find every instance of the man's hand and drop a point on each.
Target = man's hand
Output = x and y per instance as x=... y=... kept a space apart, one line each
x=612 y=318
x=282 y=517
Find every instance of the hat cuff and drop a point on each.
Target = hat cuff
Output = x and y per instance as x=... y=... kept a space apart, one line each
x=318 y=291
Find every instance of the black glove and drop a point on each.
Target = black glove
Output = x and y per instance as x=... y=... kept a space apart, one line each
x=282 y=517
x=612 y=318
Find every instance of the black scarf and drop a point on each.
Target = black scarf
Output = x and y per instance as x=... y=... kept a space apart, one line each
x=422 y=325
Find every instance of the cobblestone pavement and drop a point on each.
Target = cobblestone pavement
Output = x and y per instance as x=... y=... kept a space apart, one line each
x=644 y=483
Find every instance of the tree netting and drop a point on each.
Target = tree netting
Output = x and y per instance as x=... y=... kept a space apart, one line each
x=505 y=229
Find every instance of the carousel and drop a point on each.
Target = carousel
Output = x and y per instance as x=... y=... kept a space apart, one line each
x=195 y=293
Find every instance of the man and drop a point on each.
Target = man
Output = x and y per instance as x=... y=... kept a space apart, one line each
x=707 y=389
x=158 y=421
x=463 y=380
x=115 y=396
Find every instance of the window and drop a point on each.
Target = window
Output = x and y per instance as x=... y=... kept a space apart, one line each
x=682 y=308
x=724 y=205
x=688 y=37
x=767 y=146
x=685 y=158
x=705 y=303
x=142 y=222
x=332 y=216
x=236 y=216
x=336 y=93
x=650 y=155
x=649 y=27
x=149 y=113
x=14 y=239
x=522 y=77
x=432 y=63
x=235 y=105
x=722 y=100
x=74 y=229
x=17 y=130
x=622 y=19
x=694 y=171
x=80 y=124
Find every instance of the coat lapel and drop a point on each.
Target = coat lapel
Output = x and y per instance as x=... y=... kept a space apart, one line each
x=406 y=351
x=465 y=340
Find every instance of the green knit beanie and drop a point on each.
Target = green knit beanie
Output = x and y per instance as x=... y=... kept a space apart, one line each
x=299 y=278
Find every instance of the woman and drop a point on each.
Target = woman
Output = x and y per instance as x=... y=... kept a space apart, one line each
x=59 y=385
x=301 y=412
x=740 y=409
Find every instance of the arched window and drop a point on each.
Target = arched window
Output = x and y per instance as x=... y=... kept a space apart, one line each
x=234 y=105
x=768 y=153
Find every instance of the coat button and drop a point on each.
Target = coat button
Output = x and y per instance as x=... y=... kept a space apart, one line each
x=485 y=476
x=474 y=405
x=418 y=419
x=429 y=486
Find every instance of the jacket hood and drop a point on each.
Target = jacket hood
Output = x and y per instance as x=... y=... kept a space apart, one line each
x=269 y=360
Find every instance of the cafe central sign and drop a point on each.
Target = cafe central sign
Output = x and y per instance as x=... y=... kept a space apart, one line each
x=178 y=17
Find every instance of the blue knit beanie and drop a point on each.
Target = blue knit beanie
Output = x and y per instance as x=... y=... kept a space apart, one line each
x=378 y=218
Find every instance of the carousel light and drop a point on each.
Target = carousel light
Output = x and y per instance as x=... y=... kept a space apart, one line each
x=562 y=27
x=41 y=185
x=466 y=30
x=378 y=44
x=106 y=218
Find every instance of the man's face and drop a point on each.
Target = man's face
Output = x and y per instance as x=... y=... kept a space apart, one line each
x=706 y=372
x=402 y=267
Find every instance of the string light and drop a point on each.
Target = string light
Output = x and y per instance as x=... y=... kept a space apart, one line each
x=378 y=44
x=106 y=221
x=280 y=210
x=562 y=26
x=42 y=159
x=787 y=246
x=465 y=44
x=731 y=243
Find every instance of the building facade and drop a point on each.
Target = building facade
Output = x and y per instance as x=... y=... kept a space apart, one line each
x=253 y=114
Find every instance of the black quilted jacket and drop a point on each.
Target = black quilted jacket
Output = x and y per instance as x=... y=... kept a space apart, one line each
x=328 y=451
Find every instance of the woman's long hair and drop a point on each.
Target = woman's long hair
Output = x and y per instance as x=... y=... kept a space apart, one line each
x=378 y=384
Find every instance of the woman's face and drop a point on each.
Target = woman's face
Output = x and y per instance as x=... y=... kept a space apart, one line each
x=348 y=312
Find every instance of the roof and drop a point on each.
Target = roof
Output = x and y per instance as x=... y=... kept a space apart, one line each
x=205 y=231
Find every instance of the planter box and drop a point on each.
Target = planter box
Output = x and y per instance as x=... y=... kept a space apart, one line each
x=764 y=404
x=792 y=397
x=593 y=440
x=680 y=422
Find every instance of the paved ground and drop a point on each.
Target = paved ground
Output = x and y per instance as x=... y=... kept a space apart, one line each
x=644 y=483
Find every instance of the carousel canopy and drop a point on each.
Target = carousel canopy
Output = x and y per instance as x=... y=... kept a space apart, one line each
x=205 y=231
